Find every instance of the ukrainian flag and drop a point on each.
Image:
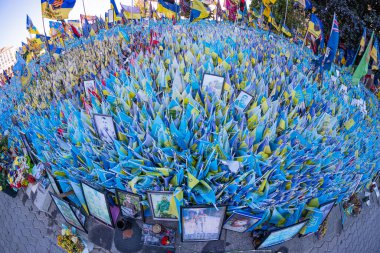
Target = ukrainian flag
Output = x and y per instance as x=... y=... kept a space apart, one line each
x=116 y=13
x=57 y=10
x=130 y=12
x=374 y=55
x=286 y=30
x=362 y=42
x=313 y=26
x=170 y=10
x=30 y=27
x=198 y=11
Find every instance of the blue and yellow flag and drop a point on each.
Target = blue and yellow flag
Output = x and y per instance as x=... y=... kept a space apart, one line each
x=362 y=41
x=169 y=9
x=30 y=27
x=375 y=55
x=57 y=10
x=286 y=31
x=116 y=13
x=198 y=11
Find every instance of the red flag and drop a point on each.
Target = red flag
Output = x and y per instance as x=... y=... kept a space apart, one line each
x=75 y=31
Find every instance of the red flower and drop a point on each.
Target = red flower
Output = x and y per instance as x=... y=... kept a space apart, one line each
x=165 y=240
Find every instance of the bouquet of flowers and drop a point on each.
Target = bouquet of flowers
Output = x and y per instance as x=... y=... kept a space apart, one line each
x=19 y=175
x=69 y=241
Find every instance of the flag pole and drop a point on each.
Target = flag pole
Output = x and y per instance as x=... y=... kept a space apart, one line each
x=85 y=17
x=43 y=25
x=304 y=40
x=286 y=12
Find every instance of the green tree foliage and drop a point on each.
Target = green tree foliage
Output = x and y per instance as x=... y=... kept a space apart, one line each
x=353 y=16
x=295 y=17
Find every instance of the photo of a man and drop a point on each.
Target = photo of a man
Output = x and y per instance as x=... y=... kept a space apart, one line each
x=202 y=224
x=213 y=84
x=243 y=100
x=105 y=126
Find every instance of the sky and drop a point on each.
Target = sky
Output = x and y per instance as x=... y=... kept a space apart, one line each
x=13 y=17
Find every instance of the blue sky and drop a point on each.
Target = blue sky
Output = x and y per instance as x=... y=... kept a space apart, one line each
x=13 y=17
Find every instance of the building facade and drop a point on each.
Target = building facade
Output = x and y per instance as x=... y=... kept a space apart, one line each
x=7 y=58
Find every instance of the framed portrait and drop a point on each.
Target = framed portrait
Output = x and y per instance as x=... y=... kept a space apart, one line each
x=105 y=127
x=202 y=223
x=213 y=84
x=97 y=204
x=29 y=149
x=325 y=209
x=243 y=100
x=240 y=222
x=159 y=202
x=110 y=16
x=54 y=185
x=68 y=212
x=281 y=235
x=89 y=85
x=130 y=204
x=81 y=217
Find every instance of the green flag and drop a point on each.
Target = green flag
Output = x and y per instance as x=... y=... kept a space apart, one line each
x=362 y=69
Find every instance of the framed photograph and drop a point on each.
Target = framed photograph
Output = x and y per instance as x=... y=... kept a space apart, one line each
x=89 y=85
x=159 y=202
x=281 y=235
x=67 y=212
x=325 y=209
x=54 y=185
x=28 y=148
x=213 y=84
x=105 y=127
x=81 y=217
x=240 y=222
x=243 y=100
x=110 y=16
x=202 y=223
x=97 y=204
x=130 y=204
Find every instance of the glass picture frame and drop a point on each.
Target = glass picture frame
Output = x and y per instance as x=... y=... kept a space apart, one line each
x=213 y=84
x=56 y=188
x=68 y=212
x=240 y=222
x=105 y=127
x=97 y=204
x=130 y=204
x=281 y=235
x=159 y=202
x=202 y=223
x=89 y=85
x=243 y=100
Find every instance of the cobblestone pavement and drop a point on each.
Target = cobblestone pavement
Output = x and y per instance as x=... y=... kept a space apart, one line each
x=24 y=229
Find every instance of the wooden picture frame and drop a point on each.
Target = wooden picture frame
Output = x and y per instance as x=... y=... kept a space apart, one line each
x=68 y=213
x=121 y=196
x=157 y=198
x=195 y=219
x=211 y=81
x=97 y=204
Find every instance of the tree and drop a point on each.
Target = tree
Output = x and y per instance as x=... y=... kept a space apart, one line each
x=353 y=16
x=295 y=17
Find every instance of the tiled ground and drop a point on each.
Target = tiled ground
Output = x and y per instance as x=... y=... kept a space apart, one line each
x=24 y=229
